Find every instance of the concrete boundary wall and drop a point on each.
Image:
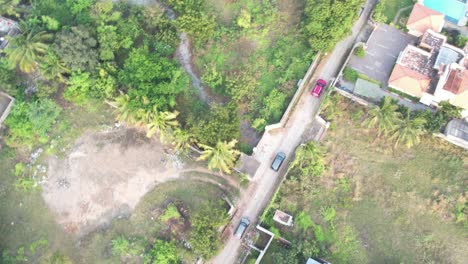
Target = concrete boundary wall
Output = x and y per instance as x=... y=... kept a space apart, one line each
x=353 y=97
x=262 y=252
x=303 y=86
x=340 y=73
x=8 y=108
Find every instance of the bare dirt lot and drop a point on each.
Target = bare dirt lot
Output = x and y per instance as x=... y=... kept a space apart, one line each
x=104 y=176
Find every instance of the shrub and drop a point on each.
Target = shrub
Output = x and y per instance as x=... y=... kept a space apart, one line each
x=28 y=124
x=273 y=106
x=121 y=246
x=350 y=74
x=245 y=148
x=360 y=52
x=171 y=212
x=205 y=238
x=303 y=221
x=162 y=253
x=259 y=124
x=378 y=12
x=275 y=231
x=221 y=123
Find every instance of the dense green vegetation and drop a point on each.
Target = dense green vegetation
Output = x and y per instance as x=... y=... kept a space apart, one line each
x=74 y=58
x=386 y=10
x=260 y=49
x=373 y=203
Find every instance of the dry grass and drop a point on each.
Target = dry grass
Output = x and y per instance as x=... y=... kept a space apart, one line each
x=400 y=196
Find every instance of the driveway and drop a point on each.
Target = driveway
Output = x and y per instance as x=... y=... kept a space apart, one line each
x=383 y=48
x=266 y=181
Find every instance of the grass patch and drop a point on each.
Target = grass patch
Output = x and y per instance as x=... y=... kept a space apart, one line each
x=402 y=94
x=352 y=75
x=391 y=8
x=375 y=204
x=403 y=19
x=171 y=212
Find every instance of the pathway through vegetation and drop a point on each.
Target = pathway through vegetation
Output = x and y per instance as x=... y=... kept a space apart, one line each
x=183 y=52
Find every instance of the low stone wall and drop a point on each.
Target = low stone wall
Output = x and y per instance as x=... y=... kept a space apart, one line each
x=353 y=97
x=7 y=110
x=297 y=95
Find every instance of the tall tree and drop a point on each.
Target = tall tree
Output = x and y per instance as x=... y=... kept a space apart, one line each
x=182 y=139
x=409 y=131
x=308 y=160
x=77 y=49
x=152 y=79
x=9 y=7
x=27 y=49
x=124 y=109
x=53 y=68
x=161 y=122
x=221 y=157
x=327 y=21
x=384 y=117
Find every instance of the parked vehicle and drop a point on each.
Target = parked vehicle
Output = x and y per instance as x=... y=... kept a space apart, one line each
x=244 y=223
x=319 y=87
x=280 y=157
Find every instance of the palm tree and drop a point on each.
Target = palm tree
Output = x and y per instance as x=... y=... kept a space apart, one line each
x=53 y=68
x=308 y=159
x=126 y=113
x=221 y=157
x=330 y=107
x=9 y=7
x=182 y=140
x=27 y=49
x=384 y=117
x=409 y=131
x=161 y=122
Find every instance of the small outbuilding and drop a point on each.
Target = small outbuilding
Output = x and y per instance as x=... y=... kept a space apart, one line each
x=283 y=218
x=456 y=132
x=317 y=261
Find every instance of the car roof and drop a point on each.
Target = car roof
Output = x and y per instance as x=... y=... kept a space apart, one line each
x=281 y=154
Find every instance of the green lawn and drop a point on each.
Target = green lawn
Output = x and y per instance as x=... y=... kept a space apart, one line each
x=392 y=7
x=392 y=205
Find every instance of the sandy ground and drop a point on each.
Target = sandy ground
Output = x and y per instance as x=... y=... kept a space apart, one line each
x=104 y=176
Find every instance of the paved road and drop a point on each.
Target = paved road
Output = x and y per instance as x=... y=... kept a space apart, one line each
x=287 y=139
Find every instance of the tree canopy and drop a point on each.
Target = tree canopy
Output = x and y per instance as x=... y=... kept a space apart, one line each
x=151 y=79
x=329 y=21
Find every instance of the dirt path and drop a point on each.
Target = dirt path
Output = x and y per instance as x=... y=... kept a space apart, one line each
x=104 y=176
x=183 y=52
x=184 y=56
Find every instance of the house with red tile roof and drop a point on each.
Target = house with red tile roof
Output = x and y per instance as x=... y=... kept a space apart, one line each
x=423 y=18
x=412 y=72
x=409 y=81
x=453 y=87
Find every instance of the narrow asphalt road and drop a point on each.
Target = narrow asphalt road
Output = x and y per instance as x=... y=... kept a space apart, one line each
x=287 y=139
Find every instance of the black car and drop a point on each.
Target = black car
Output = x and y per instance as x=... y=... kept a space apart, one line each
x=280 y=157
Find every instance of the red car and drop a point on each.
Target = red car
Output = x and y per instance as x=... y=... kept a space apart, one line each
x=319 y=87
